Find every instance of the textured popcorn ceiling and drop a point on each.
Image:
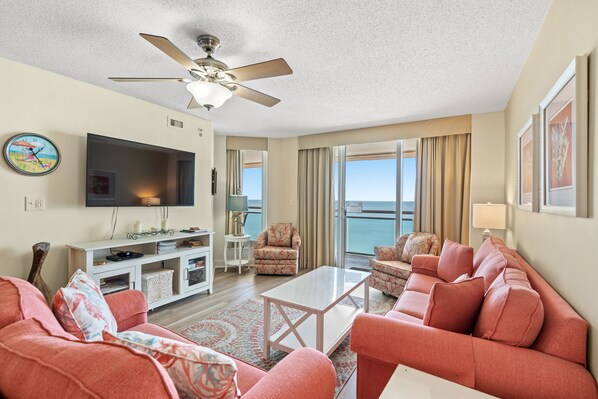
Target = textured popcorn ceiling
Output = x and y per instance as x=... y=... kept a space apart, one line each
x=356 y=63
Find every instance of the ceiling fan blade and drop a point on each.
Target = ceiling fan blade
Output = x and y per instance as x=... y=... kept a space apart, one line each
x=255 y=96
x=150 y=79
x=266 y=69
x=193 y=104
x=171 y=50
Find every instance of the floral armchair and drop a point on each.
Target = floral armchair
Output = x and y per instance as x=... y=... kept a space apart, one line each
x=392 y=265
x=276 y=250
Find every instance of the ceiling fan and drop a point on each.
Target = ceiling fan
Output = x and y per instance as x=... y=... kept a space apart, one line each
x=214 y=82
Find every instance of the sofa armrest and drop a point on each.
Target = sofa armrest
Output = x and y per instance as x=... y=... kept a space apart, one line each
x=305 y=373
x=425 y=264
x=296 y=240
x=129 y=308
x=386 y=253
x=442 y=353
x=514 y=372
x=261 y=240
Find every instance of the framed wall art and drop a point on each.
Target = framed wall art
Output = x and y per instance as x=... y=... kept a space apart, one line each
x=564 y=132
x=528 y=170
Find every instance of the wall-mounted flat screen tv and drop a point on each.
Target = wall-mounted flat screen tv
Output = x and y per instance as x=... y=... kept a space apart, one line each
x=127 y=173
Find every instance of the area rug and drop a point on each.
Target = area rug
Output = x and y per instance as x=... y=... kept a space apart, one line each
x=238 y=332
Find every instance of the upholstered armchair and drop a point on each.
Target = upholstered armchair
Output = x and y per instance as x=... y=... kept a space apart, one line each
x=276 y=250
x=392 y=265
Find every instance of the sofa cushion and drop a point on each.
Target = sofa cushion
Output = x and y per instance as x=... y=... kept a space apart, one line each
x=393 y=267
x=490 y=244
x=280 y=234
x=412 y=303
x=247 y=375
x=197 y=372
x=494 y=263
x=270 y=252
x=417 y=244
x=19 y=300
x=393 y=314
x=512 y=312
x=45 y=364
x=82 y=310
x=421 y=283
x=455 y=306
x=455 y=259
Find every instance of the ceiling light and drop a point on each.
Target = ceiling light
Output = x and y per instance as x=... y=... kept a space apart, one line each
x=209 y=94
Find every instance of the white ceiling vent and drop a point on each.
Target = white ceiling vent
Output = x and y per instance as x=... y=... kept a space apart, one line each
x=174 y=123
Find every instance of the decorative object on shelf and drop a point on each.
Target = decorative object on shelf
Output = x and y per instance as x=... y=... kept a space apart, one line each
x=31 y=154
x=528 y=168
x=237 y=204
x=40 y=251
x=149 y=233
x=489 y=216
x=137 y=227
x=564 y=119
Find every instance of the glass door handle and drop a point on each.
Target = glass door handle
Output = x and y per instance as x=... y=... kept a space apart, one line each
x=186 y=273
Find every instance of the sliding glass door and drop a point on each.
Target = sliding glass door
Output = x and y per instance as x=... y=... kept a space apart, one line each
x=375 y=183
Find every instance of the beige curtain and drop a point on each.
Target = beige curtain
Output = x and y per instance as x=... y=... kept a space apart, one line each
x=316 y=207
x=442 y=187
x=234 y=184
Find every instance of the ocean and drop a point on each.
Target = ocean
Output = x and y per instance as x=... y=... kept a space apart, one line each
x=364 y=230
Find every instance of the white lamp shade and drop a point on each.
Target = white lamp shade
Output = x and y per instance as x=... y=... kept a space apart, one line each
x=489 y=216
x=208 y=93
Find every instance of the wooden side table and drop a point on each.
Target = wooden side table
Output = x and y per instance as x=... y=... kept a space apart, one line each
x=407 y=382
x=238 y=242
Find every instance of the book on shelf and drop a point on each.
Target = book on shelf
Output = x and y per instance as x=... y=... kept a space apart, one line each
x=192 y=243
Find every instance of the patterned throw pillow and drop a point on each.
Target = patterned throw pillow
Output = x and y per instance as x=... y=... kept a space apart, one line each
x=279 y=234
x=197 y=372
x=417 y=244
x=82 y=310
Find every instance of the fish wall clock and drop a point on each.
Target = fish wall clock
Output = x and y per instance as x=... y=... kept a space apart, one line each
x=31 y=154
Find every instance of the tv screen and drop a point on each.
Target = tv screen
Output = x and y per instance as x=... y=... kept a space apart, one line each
x=126 y=173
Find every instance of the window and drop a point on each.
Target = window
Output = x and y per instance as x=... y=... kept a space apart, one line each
x=253 y=189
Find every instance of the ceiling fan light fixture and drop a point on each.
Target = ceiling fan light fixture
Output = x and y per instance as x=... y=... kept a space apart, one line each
x=209 y=94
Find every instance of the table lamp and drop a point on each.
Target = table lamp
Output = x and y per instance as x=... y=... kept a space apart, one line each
x=489 y=216
x=237 y=204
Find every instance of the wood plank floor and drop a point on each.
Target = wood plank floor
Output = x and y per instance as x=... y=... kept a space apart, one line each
x=230 y=288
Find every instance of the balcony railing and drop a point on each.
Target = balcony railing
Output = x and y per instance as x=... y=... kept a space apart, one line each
x=253 y=223
x=365 y=231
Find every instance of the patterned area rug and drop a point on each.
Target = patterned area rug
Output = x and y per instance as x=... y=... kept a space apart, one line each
x=238 y=331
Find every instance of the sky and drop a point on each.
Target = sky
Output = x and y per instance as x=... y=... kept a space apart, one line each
x=375 y=180
x=372 y=180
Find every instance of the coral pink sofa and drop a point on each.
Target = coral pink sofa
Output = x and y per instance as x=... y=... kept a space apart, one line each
x=39 y=359
x=553 y=366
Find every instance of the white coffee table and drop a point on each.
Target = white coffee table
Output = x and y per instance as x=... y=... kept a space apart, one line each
x=326 y=322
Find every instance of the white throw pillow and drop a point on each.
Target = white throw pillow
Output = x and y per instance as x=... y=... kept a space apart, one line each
x=82 y=310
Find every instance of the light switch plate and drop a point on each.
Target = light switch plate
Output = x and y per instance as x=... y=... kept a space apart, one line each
x=35 y=203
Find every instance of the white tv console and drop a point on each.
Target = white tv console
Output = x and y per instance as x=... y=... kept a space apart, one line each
x=192 y=266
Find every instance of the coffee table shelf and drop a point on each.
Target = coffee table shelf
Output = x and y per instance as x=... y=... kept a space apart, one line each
x=337 y=322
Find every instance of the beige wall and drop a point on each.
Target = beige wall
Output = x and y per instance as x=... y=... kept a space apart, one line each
x=282 y=180
x=561 y=248
x=65 y=110
x=488 y=166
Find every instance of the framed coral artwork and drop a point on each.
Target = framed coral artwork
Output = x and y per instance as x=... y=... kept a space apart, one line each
x=527 y=165
x=564 y=132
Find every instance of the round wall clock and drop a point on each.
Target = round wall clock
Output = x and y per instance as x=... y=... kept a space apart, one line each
x=31 y=154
